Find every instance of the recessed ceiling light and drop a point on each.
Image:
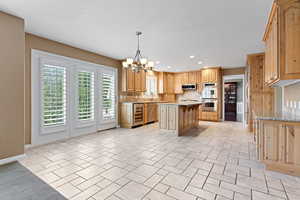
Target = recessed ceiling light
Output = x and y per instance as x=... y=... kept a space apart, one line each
x=200 y=62
x=191 y=57
x=157 y=62
x=169 y=67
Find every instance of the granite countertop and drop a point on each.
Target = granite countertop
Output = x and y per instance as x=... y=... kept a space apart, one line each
x=289 y=117
x=183 y=103
x=145 y=101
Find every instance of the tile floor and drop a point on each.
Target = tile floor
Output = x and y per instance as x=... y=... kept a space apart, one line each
x=217 y=163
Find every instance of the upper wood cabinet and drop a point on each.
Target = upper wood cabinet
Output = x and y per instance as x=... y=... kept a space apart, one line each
x=128 y=80
x=170 y=84
x=165 y=83
x=133 y=81
x=192 y=77
x=178 y=81
x=140 y=81
x=198 y=77
x=282 y=39
x=185 y=78
x=211 y=75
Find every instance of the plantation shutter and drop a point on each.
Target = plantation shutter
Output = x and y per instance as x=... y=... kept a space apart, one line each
x=85 y=95
x=53 y=95
x=108 y=96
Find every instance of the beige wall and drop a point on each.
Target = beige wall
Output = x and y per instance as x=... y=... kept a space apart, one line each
x=35 y=42
x=11 y=86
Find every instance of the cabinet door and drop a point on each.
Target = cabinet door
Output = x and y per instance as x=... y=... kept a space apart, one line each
x=198 y=77
x=292 y=38
x=170 y=83
x=178 y=83
x=137 y=81
x=143 y=81
x=185 y=78
x=130 y=80
x=267 y=68
x=204 y=76
x=172 y=117
x=192 y=78
x=282 y=144
x=214 y=75
x=274 y=69
x=161 y=83
x=163 y=116
x=271 y=132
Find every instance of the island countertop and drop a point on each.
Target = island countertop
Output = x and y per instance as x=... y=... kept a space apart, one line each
x=183 y=103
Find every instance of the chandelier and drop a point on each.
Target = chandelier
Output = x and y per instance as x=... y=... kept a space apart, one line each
x=138 y=63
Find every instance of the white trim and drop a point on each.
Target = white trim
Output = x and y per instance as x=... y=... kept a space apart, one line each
x=231 y=77
x=11 y=159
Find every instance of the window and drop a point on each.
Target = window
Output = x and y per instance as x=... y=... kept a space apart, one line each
x=85 y=95
x=108 y=96
x=151 y=85
x=53 y=95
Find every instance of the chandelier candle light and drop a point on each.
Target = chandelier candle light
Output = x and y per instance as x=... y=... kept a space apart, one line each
x=138 y=63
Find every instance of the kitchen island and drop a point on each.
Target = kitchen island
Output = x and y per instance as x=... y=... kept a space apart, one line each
x=179 y=117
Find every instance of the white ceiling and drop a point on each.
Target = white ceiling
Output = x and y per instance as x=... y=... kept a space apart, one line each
x=216 y=32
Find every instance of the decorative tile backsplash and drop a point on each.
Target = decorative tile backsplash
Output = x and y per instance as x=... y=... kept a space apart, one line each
x=189 y=95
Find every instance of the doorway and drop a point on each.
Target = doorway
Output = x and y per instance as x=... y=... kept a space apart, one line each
x=230 y=101
x=233 y=98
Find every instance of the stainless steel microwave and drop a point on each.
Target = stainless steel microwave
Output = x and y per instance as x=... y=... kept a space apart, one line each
x=189 y=87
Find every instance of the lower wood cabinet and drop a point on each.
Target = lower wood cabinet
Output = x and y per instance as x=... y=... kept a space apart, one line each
x=150 y=112
x=209 y=116
x=138 y=113
x=278 y=145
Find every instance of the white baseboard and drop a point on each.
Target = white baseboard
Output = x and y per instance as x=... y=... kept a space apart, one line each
x=11 y=159
x=28 y=146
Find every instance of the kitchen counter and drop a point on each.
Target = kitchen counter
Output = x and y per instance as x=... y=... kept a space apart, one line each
x=287 y=117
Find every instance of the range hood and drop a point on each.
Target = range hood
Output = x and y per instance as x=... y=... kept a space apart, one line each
x=189 y=87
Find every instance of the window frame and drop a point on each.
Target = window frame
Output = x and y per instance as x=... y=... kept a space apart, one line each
x=147 y=93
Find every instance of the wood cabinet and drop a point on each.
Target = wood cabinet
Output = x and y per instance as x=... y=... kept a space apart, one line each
x=165 y=83
x=198 y=77
x=128 y=80
x=208 y=116
x=192 y=77
x=185 y=78
x=282 y=39
x=260 y=97
x=133 y=81
x=138 y=113
x=170 y=83
x=150 y=112
x=278 y=145
x=211 y=75
x=140 y=81
x=178 y=81
x=132 y=114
